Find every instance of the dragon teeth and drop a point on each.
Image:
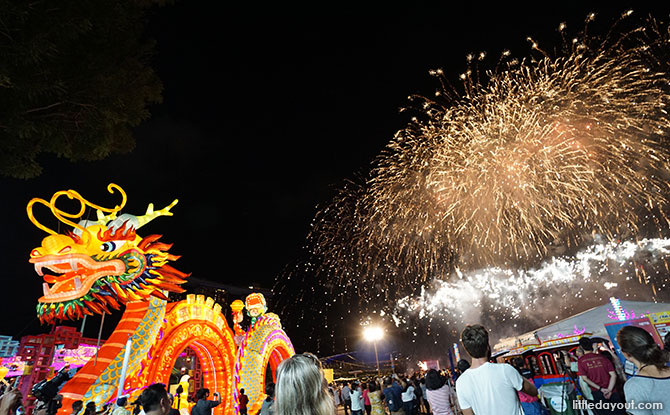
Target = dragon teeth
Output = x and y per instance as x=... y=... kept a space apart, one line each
x=45 y=289
x=38 y=269
x=77 y=283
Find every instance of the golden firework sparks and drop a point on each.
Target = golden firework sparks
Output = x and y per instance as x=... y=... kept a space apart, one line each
x=539 y=152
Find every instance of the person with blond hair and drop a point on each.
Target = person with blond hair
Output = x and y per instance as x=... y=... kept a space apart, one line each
x=301 y=387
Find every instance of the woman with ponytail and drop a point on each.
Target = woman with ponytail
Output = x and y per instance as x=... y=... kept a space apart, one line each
x=652 y=381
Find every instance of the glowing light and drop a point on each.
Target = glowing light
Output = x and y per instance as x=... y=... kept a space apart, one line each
x=373 y=333
x=264 y=343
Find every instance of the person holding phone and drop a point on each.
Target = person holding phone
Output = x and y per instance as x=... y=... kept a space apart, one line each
x=204 y=406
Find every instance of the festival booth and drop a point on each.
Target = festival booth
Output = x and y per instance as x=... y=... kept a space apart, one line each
x=97 y=266
x=541 y=349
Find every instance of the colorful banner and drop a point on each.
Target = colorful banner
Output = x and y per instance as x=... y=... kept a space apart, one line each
x=661 y=322
x=14 y=365
x=328 y=374
x=662 y=317
x=663 y=329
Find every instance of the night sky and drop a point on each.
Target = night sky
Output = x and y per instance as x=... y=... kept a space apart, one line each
x=266 y=112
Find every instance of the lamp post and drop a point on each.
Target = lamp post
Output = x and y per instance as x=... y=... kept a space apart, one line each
x=374 y=334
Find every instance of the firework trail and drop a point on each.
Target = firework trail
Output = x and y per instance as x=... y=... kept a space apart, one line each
x=538 y=153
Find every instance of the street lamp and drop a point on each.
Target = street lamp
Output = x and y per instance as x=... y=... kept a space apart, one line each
x=374 y=334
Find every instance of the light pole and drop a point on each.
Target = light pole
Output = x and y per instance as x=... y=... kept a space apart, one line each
x=374 y=334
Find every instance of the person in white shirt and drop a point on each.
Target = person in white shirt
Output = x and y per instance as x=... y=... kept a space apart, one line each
x=408 y=398
x=488 y=388
x=356 y=399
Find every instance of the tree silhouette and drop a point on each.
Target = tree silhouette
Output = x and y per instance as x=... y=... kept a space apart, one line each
x=74 y=79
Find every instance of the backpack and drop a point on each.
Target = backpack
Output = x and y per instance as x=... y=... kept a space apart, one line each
x=393 y=404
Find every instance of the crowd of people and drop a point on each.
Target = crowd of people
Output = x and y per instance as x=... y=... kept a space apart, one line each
x=486 y=387
x=302 y=389
x=477 y=387
x=413 y=395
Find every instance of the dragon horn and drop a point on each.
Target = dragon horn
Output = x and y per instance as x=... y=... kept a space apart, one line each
x=103 y=219
x=151 y=214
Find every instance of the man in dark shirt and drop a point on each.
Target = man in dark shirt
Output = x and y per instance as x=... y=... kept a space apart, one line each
x=393 y=395
x=244 y=400
x=203 y=406
x=598 y=372
x=346 y=397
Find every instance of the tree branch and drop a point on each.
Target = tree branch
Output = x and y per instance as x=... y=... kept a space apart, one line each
x=79 y=104
x=43 y=108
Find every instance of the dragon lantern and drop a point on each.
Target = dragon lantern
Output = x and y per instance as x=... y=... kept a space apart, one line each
x=104 y=264
x=101 y=264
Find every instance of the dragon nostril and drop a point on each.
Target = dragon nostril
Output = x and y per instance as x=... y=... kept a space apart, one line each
x=65 y=250
x=35 y=253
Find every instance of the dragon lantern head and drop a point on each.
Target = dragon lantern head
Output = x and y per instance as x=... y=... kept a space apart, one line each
x=102 y=263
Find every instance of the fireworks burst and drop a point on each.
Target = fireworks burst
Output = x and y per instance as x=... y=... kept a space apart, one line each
x=535 y=154
x=531 y=160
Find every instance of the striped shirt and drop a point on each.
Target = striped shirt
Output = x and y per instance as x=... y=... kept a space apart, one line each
x=440 y=400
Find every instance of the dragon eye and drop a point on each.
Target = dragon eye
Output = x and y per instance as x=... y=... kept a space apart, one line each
x=108 y=246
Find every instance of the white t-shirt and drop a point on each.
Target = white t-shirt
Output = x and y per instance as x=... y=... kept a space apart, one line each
x=356 y=400
x=490 y=389
x=408 y=395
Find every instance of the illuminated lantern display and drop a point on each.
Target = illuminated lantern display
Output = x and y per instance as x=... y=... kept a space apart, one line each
x=264 y=346
x=103 y=265
x=256 y=306
x=237 y=307
x=199 y=324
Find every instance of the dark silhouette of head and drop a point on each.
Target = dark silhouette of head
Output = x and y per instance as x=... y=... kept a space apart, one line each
x=155 y=398
x=475 y=339
x=586 y=343
x=202 y=393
